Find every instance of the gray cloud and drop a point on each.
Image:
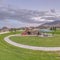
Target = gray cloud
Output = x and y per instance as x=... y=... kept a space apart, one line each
x=21 y=15
x=24 y=15
x=51 y=18
x=52 y=10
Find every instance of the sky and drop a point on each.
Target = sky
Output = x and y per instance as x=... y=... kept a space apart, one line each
x=33 y=4
x=38 y=5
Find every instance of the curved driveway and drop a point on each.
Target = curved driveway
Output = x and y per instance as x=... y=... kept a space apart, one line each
x=30 y=47
x=4 y=32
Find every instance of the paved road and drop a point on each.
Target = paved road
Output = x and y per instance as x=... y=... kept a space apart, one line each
x=4 y=32
x=30 y=47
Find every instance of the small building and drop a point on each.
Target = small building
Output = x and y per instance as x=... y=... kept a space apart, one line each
x=35 y=31
x=4 y=29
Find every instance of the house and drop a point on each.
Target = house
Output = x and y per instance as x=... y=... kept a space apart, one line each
x=4 y=29
x=37 y=32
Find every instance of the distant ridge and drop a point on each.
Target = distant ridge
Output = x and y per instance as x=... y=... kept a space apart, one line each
x=55 y=23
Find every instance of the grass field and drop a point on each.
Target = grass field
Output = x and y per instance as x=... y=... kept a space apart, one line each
x=53 y=41
x=38 y=41
x=9 y=52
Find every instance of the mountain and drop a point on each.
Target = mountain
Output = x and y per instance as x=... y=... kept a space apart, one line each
x=55 y=23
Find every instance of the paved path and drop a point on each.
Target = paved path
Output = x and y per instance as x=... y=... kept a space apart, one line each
x=4 y=32
x=30 y=47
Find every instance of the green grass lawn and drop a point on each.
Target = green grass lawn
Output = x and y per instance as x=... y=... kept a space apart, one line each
x=53 y=41
x=38 y=41
x=9 y=52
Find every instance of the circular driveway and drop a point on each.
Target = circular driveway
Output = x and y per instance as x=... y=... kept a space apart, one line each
x=30 y=47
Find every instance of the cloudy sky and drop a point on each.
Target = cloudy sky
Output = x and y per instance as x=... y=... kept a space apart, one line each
x=33 y=4
x=12 y=15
